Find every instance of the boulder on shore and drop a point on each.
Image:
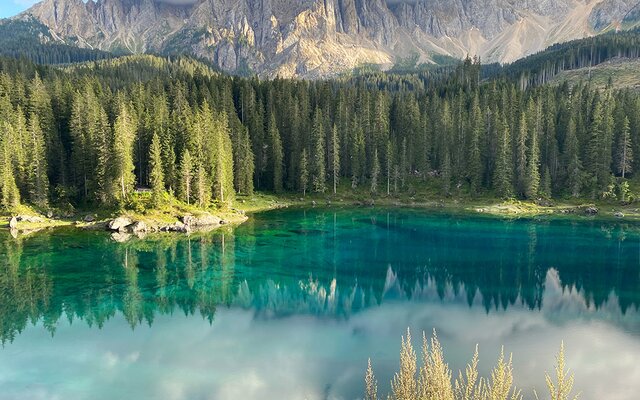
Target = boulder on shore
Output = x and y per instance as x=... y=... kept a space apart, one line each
x=591 y=210
x=139 y=227
x=176 y=227
x=618 y=214
x=13 y=223
x=202 y=220
x=119 y=224
x=29 y=218
x=89 y=218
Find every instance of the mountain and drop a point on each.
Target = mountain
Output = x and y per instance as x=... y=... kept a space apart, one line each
x=318 y=38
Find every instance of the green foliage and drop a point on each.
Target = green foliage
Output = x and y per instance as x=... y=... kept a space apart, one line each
x=89 y=133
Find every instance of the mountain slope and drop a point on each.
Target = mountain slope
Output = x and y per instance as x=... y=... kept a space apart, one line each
x=316 y=38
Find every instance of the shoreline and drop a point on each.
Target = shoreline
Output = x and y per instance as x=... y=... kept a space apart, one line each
x=245 y=207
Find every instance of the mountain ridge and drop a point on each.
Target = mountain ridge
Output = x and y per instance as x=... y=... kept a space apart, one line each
x=320 y=38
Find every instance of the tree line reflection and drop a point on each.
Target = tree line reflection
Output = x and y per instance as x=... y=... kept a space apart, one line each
x=320 y=265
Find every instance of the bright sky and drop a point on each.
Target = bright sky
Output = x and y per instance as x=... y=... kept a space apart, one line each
x=9 y=8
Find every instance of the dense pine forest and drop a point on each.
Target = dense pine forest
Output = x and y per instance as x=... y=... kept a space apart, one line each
x=94 y=133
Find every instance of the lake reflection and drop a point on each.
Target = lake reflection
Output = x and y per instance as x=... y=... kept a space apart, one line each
x=291 y=305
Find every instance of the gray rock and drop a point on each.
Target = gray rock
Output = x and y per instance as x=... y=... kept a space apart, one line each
x=618 y=214
x=591 y=210
x=29 y=218
x=313 y=38
x=176 y=227
x=13 y=223
x=89 y=218
x=139 y=227
x=202 y=220
x=119 y=224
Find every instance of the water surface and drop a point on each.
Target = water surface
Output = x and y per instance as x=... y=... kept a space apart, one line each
x=291 y=304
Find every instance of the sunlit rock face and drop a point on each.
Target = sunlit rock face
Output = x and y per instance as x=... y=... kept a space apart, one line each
x=319 y=38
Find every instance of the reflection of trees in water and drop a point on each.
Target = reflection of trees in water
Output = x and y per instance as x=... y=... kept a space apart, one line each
x=316 y=266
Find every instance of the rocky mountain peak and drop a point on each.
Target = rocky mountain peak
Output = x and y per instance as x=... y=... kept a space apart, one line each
x=315 y=38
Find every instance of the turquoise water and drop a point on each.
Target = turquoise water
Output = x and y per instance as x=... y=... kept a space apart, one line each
x=291 y=304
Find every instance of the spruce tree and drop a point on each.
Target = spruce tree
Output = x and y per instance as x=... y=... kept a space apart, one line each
x=533 y=168
x=186 y=177
x=318 y=170
x=276 y=155
x=503 y=175
x=522 y=150
x=38 y=181
x=624 y=151
x=304 y=173
x=474 y=156
x=375 y=172
x=572 y=160
x=335 y=158
x=9 y=194
x=157 y=174
x=122 y=160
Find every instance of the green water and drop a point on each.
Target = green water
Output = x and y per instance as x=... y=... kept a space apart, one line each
x=291 y=304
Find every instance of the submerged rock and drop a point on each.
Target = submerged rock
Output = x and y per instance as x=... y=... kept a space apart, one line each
x=120 y=237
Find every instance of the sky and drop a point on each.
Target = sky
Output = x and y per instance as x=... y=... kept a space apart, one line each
x=9 y=8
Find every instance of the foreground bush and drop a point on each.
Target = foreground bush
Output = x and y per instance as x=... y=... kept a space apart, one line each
x=434 y=379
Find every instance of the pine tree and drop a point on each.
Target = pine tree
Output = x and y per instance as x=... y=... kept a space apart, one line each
x=38 y=182
x=276 y=155
x=573 y=163
x=157 y=173
x=533 y=167
x=335 y=158
x=10 y=196
x=503 y=175
x=624 y=150
x=203 y=195
x=375 y=172
x=243 y=163
x=304 y=173
x=522 y=165
x=474 y=156
x=318 y=174
x=186 y=177
x=122 y=162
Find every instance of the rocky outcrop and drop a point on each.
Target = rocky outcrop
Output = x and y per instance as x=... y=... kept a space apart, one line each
x=318 y=38
x=120 y=224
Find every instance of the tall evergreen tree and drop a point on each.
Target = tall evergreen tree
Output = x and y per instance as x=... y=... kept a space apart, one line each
x=624 y=150
x=276 y=156
x=186 y=177
x=572 y=160
x=122 y=160
x=318 y=171
x=503 y=175
x=304 y=173
x=38 y=181
x=157 y=172
x=335 y=158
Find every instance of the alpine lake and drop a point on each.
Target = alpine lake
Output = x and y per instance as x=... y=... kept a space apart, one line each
x=292 y=303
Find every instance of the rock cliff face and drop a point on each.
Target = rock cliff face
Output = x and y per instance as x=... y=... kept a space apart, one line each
x=317 y=38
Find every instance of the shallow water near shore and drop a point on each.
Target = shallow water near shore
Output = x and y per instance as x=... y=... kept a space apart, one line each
x=291 y=304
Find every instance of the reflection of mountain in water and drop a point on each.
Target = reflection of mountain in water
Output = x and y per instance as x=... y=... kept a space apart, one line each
x=491 y=265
